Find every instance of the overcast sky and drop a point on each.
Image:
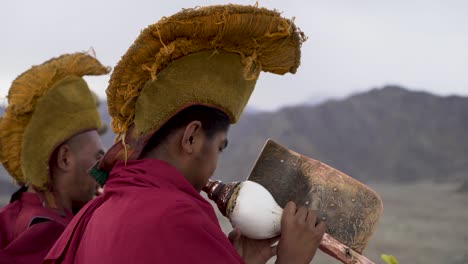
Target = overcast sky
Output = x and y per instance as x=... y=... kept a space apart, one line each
x=353 y=45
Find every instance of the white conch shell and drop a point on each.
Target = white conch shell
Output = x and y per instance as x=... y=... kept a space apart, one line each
x=254 y=211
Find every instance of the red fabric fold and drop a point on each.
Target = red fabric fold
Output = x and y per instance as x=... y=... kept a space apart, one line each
x=21 y=241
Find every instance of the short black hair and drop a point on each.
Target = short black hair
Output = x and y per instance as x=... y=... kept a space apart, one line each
x=212 y=120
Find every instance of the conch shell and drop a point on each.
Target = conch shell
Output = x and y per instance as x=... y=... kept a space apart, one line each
x=249 y=207
x=254 y=211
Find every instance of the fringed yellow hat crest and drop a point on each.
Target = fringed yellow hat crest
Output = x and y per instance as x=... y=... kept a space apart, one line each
x=263 y=39
x=47 y=105
x=208 y=56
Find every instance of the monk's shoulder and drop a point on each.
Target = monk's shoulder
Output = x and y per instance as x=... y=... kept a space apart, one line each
x=173 y=202
x=151 y=203
x=165 y=196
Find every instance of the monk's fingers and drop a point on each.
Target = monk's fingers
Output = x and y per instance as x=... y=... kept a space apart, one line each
x=290 y=208
x=273 y=240
x=288 y=213
x=234 y=235
x=301 y=215
x=321 y=228
x=273 y=251
x=312 y=218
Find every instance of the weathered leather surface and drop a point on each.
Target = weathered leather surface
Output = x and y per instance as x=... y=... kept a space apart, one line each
x=350 y=208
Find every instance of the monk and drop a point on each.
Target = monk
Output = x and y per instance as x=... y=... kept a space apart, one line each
x=172 y=97
x=48 y=139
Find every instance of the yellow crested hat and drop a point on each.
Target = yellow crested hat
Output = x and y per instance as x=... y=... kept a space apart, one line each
x=47 y=105
x=208 y=56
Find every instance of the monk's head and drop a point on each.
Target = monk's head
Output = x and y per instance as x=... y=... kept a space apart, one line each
x=68 y=168
x=191 y=141
x=188 y=59
x=43 y=138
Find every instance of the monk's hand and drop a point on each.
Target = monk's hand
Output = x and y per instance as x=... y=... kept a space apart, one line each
x=253 y=251
x=301 y=234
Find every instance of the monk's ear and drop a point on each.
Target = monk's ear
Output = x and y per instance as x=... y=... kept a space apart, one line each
x=192 y=137
x=64 y=158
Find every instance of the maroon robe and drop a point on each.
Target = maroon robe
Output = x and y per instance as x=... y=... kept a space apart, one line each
x=28 y=230
x=149 y=213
